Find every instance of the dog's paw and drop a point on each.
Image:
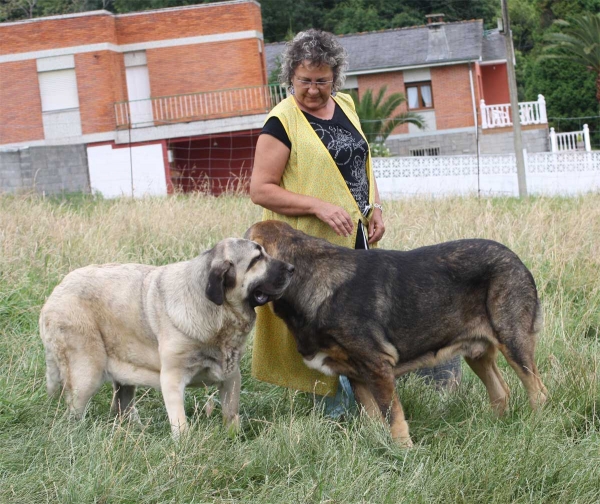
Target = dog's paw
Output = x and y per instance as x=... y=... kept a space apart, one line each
x=232 y=425
x=179 y=430
x=404 y=442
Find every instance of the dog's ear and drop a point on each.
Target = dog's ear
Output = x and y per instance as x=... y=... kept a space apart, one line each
x=219 y=278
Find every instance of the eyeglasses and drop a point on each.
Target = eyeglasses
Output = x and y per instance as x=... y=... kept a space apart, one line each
x=308 y=83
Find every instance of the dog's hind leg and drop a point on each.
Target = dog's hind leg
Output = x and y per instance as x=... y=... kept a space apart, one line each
x=85 y=379
x=521 y=360
x=122 y=402
x=486 y=369
x=516 y=316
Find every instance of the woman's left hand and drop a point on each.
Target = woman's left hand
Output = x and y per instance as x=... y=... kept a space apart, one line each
x=376 y=227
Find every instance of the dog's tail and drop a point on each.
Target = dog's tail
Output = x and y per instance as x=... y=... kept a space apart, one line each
x=53 y=381
x=538 y=318
x=53 y=378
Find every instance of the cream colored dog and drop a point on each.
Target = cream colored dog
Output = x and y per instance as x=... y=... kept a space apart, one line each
x=165 y=327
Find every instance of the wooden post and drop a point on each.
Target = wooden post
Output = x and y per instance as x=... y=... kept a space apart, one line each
x=514 y=101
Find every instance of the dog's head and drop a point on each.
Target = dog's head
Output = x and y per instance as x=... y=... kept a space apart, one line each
x=241 y=272
x=270 y=234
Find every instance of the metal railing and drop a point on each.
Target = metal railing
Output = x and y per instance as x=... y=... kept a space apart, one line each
x=572 y=140
x=223 y=103
x=500 y=116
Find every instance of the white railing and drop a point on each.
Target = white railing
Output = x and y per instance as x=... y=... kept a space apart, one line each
x=198 y=106
x=500 y=116
x=572 y=140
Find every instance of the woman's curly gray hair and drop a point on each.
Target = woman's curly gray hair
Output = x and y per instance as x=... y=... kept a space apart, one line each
x=319 y=48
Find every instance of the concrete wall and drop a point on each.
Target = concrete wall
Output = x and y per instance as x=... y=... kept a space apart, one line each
x=534 y=140
x=49 y=170
x=547 y=173
x=463 y=142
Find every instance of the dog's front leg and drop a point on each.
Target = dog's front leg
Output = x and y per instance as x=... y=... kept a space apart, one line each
x=380 y=401
x=231 y=359
x=172 y=385
x=229 y=392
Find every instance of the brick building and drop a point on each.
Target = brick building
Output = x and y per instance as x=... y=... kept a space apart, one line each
x=90 y=84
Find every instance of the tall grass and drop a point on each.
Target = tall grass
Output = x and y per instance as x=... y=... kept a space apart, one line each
x=287 y=451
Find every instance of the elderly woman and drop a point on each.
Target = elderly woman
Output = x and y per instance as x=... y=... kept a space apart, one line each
x=312 y=169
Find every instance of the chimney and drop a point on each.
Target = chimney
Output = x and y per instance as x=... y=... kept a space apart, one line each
x=437 y=43
x=434 y=20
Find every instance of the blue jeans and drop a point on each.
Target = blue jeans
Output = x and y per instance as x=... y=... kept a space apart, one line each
x=342 y=403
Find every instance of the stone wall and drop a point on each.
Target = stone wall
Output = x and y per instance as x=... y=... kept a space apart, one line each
x=48 y=170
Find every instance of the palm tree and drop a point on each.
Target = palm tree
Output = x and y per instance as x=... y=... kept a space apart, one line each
x=375 y=115
x=579 y=41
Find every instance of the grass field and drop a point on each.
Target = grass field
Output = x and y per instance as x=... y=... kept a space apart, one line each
x=287 y=452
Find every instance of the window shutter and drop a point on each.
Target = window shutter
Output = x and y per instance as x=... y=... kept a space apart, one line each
x=58 y=90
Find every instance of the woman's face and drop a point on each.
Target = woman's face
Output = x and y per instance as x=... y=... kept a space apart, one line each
x=314 y=96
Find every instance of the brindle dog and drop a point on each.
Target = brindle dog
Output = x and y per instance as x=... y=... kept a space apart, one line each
x=376 y=314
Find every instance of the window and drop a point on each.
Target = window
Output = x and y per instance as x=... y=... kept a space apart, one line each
x=60 y=100
x=418 y=95
x=426 y=151
x=58 y=90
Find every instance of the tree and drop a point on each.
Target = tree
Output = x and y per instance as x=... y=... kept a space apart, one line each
x=353 y=16
x=524 y=21
x=376 y=118
x=578 y=41
x=569 y=93
x=11 y=10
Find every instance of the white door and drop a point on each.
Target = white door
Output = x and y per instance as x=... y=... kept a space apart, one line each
x=138 y=89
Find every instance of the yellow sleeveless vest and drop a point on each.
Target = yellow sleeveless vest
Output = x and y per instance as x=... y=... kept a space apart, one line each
x=311 y=171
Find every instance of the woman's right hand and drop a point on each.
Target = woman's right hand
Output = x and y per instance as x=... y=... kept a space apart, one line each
x=270 y=159
x=335 y=217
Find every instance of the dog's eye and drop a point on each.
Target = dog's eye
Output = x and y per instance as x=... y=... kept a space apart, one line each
x=254 y=261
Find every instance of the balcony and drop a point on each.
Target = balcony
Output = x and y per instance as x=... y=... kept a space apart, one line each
x=184 y=108
x=500 y=116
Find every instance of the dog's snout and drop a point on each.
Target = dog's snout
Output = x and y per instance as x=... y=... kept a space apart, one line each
x=290 y=268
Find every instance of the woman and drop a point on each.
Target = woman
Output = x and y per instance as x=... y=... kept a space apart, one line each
x=312 y=169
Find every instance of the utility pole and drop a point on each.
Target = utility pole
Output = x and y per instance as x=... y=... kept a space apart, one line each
x=514 y=100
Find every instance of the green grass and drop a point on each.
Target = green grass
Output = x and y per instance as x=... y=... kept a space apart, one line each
x=286 y=451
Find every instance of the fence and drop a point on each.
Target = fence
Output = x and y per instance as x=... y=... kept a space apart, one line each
x=572 y=140
x=225 y=163
x=548 y=173
x=499 y=116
